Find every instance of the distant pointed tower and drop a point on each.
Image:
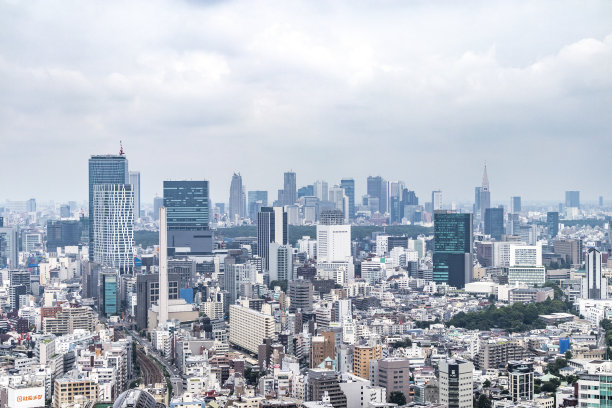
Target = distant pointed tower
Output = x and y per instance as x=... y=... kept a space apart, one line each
x=485 y=196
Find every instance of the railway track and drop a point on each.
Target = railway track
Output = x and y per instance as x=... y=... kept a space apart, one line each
x=151 y=373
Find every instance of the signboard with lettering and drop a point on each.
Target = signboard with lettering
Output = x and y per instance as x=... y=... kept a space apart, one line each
x=31 y=397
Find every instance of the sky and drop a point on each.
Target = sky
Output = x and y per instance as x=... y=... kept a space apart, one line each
x=419 y=91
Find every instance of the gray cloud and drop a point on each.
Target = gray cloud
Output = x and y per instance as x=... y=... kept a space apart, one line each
x=419 y=91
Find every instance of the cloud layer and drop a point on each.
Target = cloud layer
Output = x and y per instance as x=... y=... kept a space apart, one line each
x=419 y=91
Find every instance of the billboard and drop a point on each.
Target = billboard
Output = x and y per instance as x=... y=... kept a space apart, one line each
x=30 y=397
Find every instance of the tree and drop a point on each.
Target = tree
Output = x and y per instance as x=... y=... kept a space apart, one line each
x=281 y=283
x=568 y=355
x=484 y=401
x=486 y=384
x=397 y=397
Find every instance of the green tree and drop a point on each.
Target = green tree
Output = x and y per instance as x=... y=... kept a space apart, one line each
x=397 y=397
x=486 y=384
x=484 y=402
x=568 y=355
x=281 y=283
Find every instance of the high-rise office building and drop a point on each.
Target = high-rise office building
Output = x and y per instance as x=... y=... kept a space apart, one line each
x=158 y=202
x=104 y=169
x=436 y=200
x=31 y=205
x=8 y=246
x=377 y=188
x=147 y=294
x=552 y=222
x=249 y=328
x=485 y=196
x=348 y=184
x=187 y=207
x=362 y=357
x=594 y=285
x=306 y=191
x=456 y=383
x=237 y=198
x=494 y=222
x=135 y=182
x=271 y=227
x=300 y=292
x=333 y=238
x=281 y=262
x=321 y=190
x=572 y=199
x=520 y=380
x=162 y=301
x=452 y=257
x=476 y=209
x=600 y=201
x=113 y=234
x=289 y=188
x=109 y=293
x=256 y=200
x=515 y=204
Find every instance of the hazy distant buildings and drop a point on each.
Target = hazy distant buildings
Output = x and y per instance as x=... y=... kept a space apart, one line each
x=271 y=227
x=256 y=200
x=515 y=204
x=377 y=188
x=158 y=202
x=452 y=257
x=188 y=215
x=348 y=184
x=485 y=196
x=436 y=200
x=104 y=169
x=237 y=202
x=135 y=182
x=321 y=190
x=572 y=199
x=113 y=233
x=289 y=188
x=8 y=246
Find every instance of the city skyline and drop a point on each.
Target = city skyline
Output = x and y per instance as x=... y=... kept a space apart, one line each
x=327 y=91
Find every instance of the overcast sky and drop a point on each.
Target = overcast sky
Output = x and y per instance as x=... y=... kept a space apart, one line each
x=420 y=91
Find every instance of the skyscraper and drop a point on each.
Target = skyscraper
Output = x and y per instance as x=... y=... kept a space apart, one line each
x=162 y=302
x=109 y=295
x=572 y=199
x=552 y=222
x=377 y=188
x=333 y=238
x=485 y=195
x=158 y=202
x=236 y=200
x=348 y=184
x=104 y=169
x=436 y=200
x=452 y=257
x=271 y=227
x=113 y=233
x=594 y=285
x=515 y=204
x=494 y=222
x=281 y=262
x=289 y=188
x=135 y=182
x=256 y=200
x=8 y=246
x=321 y=190
x=188 y=220
x=456 y=383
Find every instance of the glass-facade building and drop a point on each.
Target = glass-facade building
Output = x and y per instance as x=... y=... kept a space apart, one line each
x=104 y=169
x=452 y=258
x=494 y=222
x=108 y=286
x=187 y=205
x=552 y=222
x=348 y=184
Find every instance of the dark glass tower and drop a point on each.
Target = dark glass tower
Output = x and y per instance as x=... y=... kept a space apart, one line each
x=377 y=187
x=494 y=222
x=104 y=169
x=289 y=188
x=452 y=258
x=188 y=215
x=552 y=222
x=271 y=227
x=348 y=184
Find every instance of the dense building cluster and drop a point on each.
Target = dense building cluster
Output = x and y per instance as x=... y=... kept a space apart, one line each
x=383 y=302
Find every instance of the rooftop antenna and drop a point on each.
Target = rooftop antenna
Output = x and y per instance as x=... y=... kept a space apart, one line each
x=121 y=152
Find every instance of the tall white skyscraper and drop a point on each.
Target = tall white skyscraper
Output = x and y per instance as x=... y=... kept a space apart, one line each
x=114 y=226
x=436 y=200
x=162 y=316
x=135 y=182
x=594 y=286
x=321 y=190
x=333 y=242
